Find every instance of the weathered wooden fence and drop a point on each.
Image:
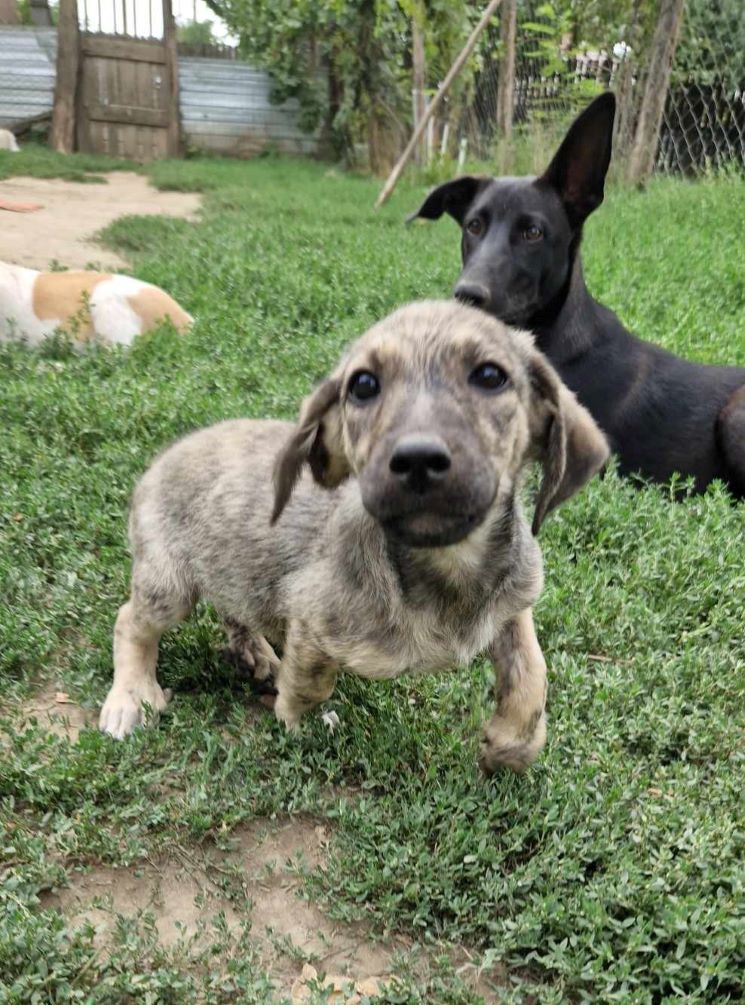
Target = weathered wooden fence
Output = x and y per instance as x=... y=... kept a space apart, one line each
x=225 y=104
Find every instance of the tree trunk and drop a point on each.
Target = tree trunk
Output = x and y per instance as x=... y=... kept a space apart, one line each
x=332 y=142
x=506 y=88
x=62 y=137
x=664 y=44
x=624 y=128
x=418 y=79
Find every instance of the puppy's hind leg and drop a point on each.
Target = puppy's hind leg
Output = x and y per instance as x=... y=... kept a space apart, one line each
x=135 y=693
x=254 y=658
x=516 y=733
x=307 y=676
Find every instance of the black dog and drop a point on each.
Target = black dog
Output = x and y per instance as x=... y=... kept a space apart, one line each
x=521 y=262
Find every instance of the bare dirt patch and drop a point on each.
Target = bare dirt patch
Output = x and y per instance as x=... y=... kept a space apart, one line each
x=257 y=880
x=72 y=212
x=56 y=712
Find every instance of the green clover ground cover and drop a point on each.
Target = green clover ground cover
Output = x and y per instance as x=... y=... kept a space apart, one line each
x=613 y=870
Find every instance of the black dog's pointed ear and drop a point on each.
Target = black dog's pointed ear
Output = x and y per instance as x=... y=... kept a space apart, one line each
x=580 y=165
x=317 y=440
x=454 y=198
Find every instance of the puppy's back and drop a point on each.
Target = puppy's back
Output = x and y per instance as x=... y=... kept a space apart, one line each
x=201 y=514
x=210 y=470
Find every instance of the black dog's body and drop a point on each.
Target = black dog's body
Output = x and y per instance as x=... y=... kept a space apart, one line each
x=660 y=413
x=521 y=262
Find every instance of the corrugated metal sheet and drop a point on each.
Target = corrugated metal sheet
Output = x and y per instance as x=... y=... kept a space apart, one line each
x=225 y=104
x=26 y=72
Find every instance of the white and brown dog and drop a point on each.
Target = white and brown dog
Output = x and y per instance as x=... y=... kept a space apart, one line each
x=87 y=306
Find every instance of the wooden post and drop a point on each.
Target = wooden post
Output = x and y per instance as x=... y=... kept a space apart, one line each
x=9 y=12
x=506 y=89
x=62 y=137
x=171 y=51
x=664 y=44
x=435 y=103
x=418 y=78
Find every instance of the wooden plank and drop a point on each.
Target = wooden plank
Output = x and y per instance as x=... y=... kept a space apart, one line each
x=62 y=138
x=173 y=139
x=145 y=86
x=128 y=115
x=126 y=84
x=137 y=49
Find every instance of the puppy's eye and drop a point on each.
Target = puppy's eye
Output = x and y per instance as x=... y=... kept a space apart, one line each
x=363 y=386
x=489 y=377
x=475 y=226
x=532 y=233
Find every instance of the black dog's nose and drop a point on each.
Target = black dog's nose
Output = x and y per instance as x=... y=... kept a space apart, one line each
x=472 y=293
x=420 y=461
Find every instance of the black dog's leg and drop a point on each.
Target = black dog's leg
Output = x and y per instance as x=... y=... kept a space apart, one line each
x=732 y=440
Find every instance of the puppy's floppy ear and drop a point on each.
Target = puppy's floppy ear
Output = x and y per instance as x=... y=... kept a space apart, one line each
x=567 y=440
x=454 y=197
x=317 y=440
x=580 y=165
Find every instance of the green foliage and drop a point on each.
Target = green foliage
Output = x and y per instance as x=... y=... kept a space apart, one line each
x=612 y=871
x=346 y=61
x=712 y=44
x=196 y=33
x=40 y=162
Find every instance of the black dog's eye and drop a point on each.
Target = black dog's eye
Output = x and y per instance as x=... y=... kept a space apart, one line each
x=474 y=226
x=489 y=377
x=532 y=233
x=363 y=386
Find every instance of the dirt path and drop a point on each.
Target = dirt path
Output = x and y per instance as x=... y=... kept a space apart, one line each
x=72 y=213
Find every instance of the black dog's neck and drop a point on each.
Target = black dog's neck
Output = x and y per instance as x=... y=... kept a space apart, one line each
x=567 y=326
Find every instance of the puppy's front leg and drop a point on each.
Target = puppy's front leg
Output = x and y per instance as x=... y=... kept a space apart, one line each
x=516 y=733
x=136 y=635
x=307 y=676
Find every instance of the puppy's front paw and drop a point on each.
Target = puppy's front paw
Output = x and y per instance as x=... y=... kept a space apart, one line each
x=288 y=712
x=507 y=745
x=126 y=708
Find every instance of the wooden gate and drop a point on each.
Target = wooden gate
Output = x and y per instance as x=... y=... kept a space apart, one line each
x=125 y=87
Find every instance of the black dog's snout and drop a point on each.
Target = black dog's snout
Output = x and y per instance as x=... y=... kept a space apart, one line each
x=420 y=461
x=472 y=293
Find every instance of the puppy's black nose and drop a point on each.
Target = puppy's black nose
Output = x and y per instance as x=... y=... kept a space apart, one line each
x=472 y=293
x=420 y=461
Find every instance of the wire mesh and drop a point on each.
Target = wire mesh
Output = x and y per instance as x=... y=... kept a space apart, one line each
x=703 y=124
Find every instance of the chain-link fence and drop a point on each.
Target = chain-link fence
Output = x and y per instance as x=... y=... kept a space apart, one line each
x=559 y=64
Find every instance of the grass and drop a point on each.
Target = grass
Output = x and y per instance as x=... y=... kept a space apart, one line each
x=40 y=162
x=612 y=871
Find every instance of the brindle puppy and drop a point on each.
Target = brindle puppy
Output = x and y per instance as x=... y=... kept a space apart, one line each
x=406 y=551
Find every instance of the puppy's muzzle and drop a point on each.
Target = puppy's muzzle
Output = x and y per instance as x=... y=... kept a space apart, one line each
x=420 y=463
x=423 y=495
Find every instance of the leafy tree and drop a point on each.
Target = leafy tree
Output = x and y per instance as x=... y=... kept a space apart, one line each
x=348 y=62
x=712 y=44
x=196 y=33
